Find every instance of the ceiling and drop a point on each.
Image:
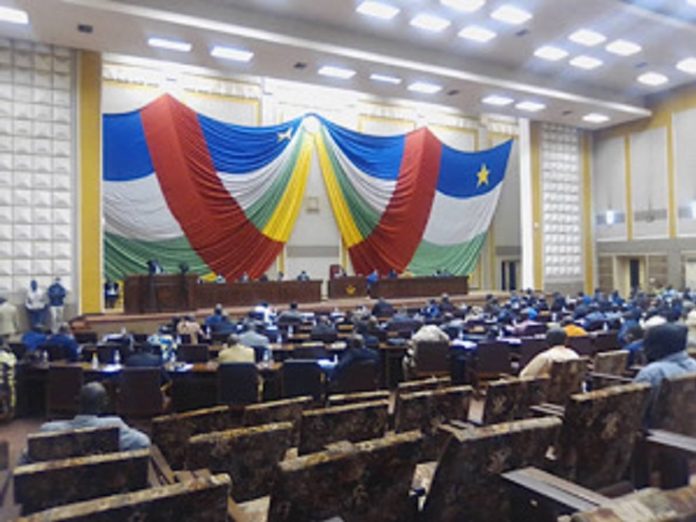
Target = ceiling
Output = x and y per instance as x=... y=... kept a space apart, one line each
x=282 y=33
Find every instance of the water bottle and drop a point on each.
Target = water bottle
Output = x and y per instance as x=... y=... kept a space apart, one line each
x=267 y=356
x=290 y=330
x=117 y=357
x=95 y=361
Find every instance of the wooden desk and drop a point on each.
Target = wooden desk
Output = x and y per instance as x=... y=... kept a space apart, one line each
x=208 y=295
x=420 y=287
x=342 y=287
x=159 y=293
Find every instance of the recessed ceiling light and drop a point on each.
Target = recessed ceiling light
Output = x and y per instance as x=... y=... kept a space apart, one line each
x=687 y=65
x=550 y=53
x=336 y=72
x=477 y=33
x=425 y=87
x=623 y=47
x=13 y=16
x=653 y=79
x=384 y=78
x=171 y=45
x=498 y=101
x=466 y=6
x=585 y=62
x=231 y=53
x=430 y=22
x=587 y=37
x=595 y=117
x=511 y=15
x=530 y=106
x=378 y=10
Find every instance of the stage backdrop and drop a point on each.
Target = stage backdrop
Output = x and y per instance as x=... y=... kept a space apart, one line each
x=222 y=198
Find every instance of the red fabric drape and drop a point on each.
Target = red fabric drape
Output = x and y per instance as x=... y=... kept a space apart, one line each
x=394 y=241
x=213 y=222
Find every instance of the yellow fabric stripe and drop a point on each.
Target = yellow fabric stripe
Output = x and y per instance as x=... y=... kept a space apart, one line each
x=349 y=230
x=89 y=84
x=282 y=222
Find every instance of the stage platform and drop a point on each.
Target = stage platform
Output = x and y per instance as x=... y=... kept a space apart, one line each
x=112 y=321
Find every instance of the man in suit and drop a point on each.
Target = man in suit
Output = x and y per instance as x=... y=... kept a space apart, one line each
x=251 y=337
x=324 y=330
x=354 y=354
x=292 y=315
x=93 y=401
x=65 y=338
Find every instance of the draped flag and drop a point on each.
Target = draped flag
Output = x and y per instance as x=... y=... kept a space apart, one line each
x=410 y=202
x=184 y=188
x=181 y=187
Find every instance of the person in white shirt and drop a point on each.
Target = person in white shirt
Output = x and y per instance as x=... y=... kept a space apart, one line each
x=9 y=324
x=236 y=352
x=540 y=366
x=35 y=303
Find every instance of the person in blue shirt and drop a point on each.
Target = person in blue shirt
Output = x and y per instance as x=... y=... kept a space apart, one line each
x=634 y=344
x=372 y=278
x=56 y=303
x=34 y=338
x=665 y=349
x=212 y=321
x=65 y=339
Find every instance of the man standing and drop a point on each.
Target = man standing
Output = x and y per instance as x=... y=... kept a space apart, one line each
x=35 y=304
x=8 y=319
x=56 y=303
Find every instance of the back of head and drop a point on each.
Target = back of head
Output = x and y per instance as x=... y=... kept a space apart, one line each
x=232 y=339
x=664 y=340
x=293 y=306
x=92 y=399
x=356 y=342
x=556 y=337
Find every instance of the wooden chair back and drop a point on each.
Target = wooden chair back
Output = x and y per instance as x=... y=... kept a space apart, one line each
x=432 y=358
x=238 y=383
x=302 y=377
x=319 y=486
x=48 y=484
x=202 y=499
x=352 y=422
x=248 y=455
x=172 y=432
x=427 y=410
x=359 y=376
x=431 y=383
x=193 y=353
x=567 y=378
x=286 y=410
x=611 y=362
x=510 y=399
x=63 y=387
x=599 y=432
x=352 y=398
x=675 y=406
x=73 y=443
x=467 y=483
x=139 y=393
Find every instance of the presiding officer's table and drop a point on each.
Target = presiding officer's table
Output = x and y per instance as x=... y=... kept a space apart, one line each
x=420 y=287
x=178 y=293
x=208 y=295
x=348 y=286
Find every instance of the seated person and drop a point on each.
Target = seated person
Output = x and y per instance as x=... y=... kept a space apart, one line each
x=634 y=346
x=264 y=278
x=235 y=352
x=400 y=320
x=212 y=321
x=303 y=276
x=64 y=338
x=431 y=310
x=189 y=326
x=572 y=329
x=154 y=267
x=244 y=278
x=264 y=313
x=428 y=333
x=665 y=348
x=226 y=326
x=446 y=306
x=372 y=278
x=324 y=330
x=111 y=291
x=220 y=279
x=35 y=337
x=280 y=276
x=93 y=401
x=251 y=336
x=144 y=357
x=382 y=308
x=540 y=366
x=393 y=274
x=355 y=352
x=292 y=315
x=8 y=397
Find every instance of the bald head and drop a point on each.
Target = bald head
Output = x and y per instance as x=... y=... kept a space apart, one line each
x=93 y=399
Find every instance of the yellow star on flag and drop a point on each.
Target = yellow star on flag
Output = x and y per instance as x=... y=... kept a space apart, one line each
x=483 y=176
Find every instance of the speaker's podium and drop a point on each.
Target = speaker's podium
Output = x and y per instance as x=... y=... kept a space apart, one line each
x=159 y=293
